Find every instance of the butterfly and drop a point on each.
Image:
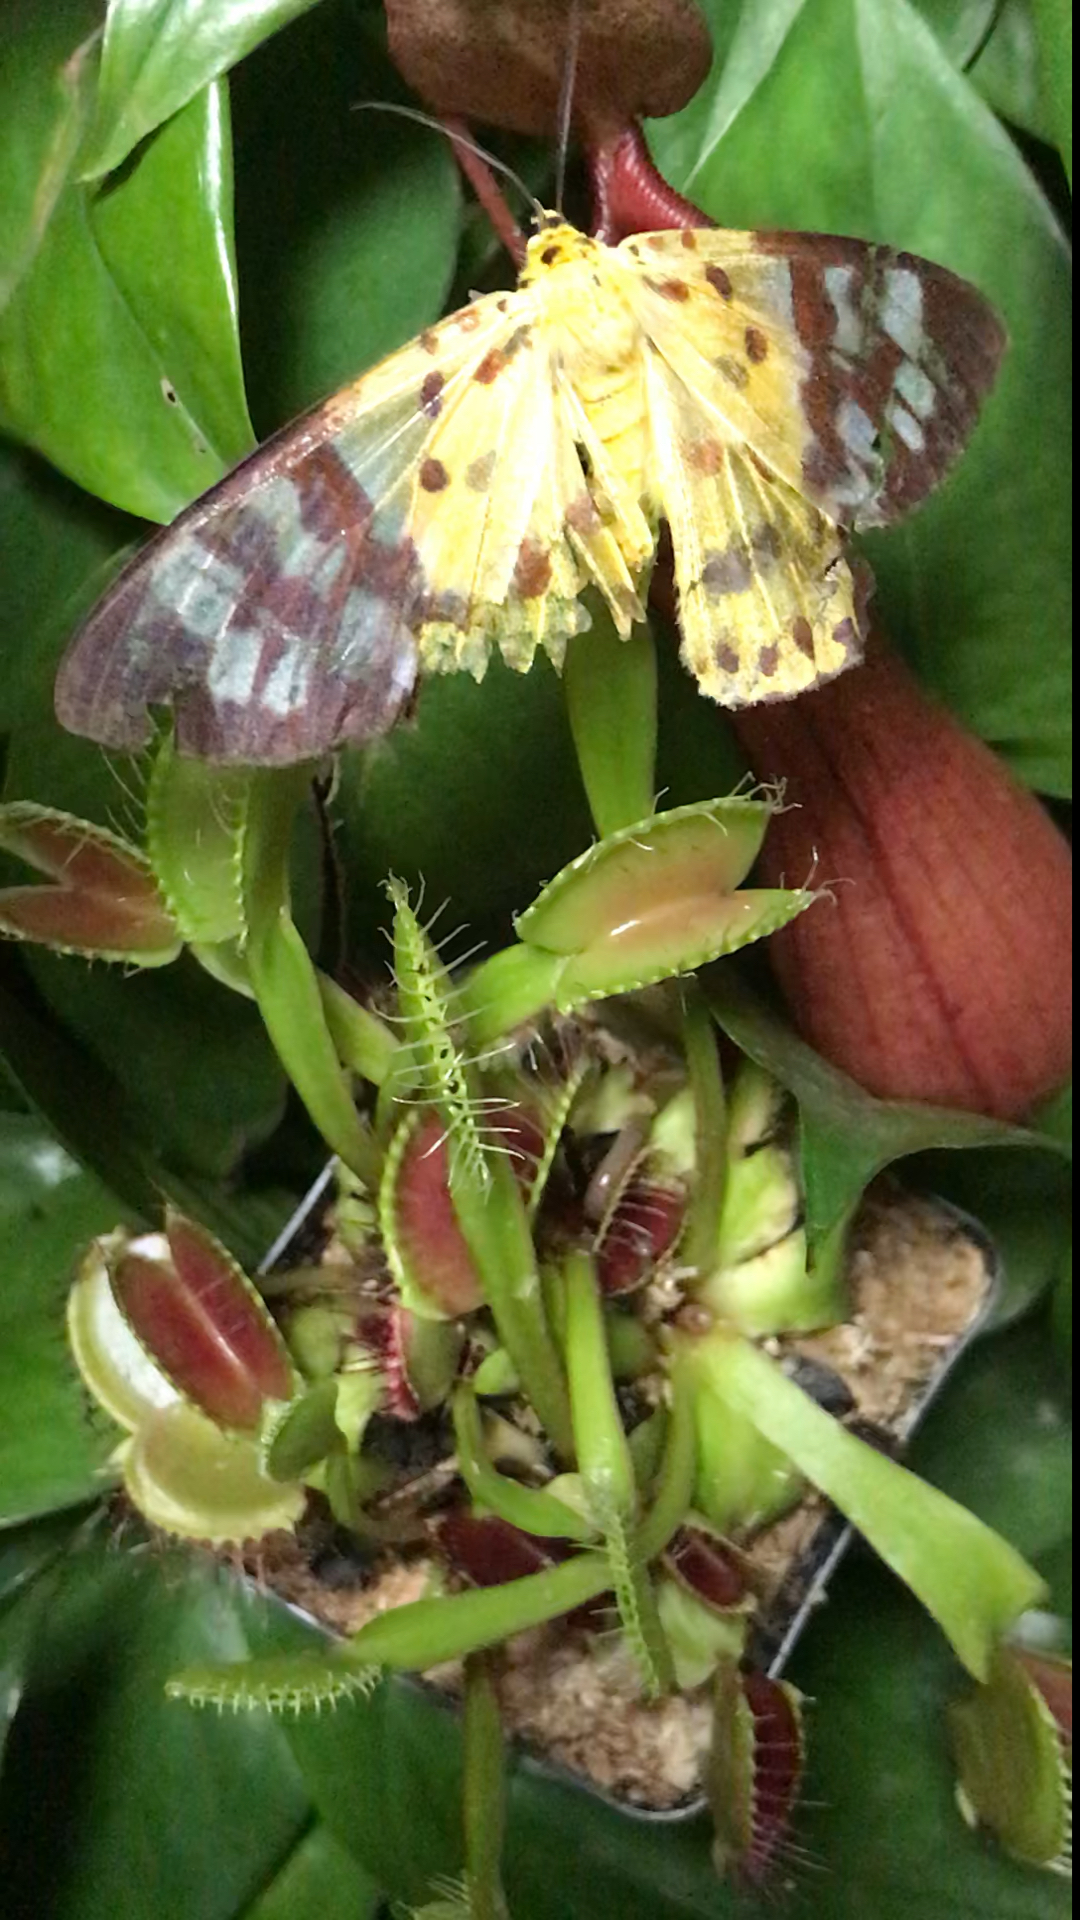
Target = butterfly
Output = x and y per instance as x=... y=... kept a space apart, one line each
x=761 y=393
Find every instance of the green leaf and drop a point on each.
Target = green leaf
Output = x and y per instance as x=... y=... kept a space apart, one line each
x=150 y=1813
x=347 y=221
x=51 y=1455
x=1006 y=72
x=1053 y=27
x=119 y=357
x=611 y=699
x=961 y=25
x=847 y=1136
x=20 y=1625
x=319 y=1877
x=970 y=1579
x=55 y=538
x=158 y=54
x=46 y=77
x=848 y=116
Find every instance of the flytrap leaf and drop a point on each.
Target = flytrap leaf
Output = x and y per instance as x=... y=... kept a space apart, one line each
x=105 y=904
x=651 y=901
x=202 y=1322
x=1013 y=1742
x=188 y=1477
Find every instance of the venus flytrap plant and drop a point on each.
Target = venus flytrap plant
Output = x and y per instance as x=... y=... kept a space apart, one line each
x=512 y=1239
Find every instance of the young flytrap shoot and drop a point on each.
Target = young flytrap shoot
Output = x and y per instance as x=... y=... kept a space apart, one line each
x=592 y=1353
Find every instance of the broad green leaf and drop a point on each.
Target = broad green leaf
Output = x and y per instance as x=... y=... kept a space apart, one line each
x=1006 y=72
x=118 y=351
x=847 y=1136
x=150 y=1813
x=962 y=26
x=55 y=538
x=859 y=123
x=192 y=1058
x=158 y=54
x=319 y=1877
x=1053 y=27
x=87 y=1110
x=20 y=1625
x=46 y=81
x=347 y=220
x=51 y=1455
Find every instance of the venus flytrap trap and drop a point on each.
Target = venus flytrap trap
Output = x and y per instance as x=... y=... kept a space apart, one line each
x=1013 y=1745
x=105 y=902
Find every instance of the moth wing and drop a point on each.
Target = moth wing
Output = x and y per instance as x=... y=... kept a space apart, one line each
x=278 y=614
x=854 y=371
x=768 y=605
x=512 y=529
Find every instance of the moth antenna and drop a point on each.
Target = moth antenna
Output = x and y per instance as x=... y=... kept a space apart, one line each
x=566 y=102
x=477 y=164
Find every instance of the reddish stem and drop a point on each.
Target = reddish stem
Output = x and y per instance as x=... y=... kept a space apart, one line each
x=486 y=187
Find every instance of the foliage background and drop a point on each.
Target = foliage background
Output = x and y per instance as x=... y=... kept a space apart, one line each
x=256 y=245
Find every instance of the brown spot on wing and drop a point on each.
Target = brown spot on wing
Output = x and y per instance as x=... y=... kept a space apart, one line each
x=727 y=656
x=768 y=660
x=468 y=320
x=429 y=340
x=532 y=570
x=704 y=456
x=757 y=346
x=583 y=515
x=719 y=281
x=550 y=256
x=733 y=371
x=670 y=289
x=490 y=366
x=803 y=635
x=433 y=476
x=689 y=239
x=727 y=570
x=845 y=635
x=479 y=472
x=431 y=394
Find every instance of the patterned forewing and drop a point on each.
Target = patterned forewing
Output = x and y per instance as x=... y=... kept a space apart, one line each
x=854 y=371
x=278 y=615
x=767 y=603
x=489 y=511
